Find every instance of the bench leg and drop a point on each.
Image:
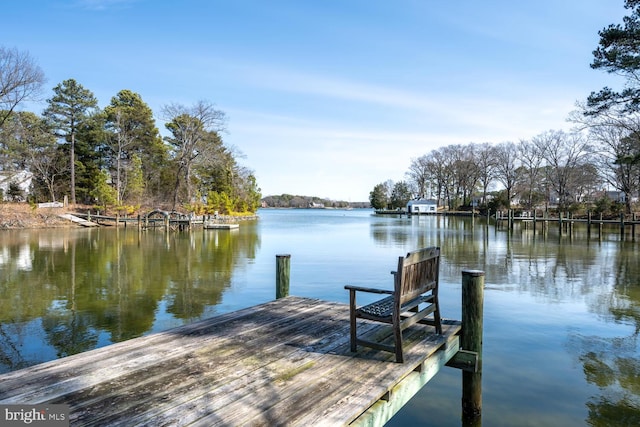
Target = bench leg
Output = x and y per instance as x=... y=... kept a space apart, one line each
x=397 y=338
x=436 y=317
x=352 y=320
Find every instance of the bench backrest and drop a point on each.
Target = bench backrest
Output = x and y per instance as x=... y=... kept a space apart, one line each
x=417 y=273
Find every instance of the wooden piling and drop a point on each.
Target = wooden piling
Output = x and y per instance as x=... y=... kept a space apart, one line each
x=471 y=340
x=283 y=268
x=600 y=228
x=571 y=218
x=560 y=223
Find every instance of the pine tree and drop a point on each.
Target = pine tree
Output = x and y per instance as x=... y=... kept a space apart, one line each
x=66 y=111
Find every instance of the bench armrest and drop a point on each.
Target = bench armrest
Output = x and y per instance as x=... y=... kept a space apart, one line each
x=371 y=290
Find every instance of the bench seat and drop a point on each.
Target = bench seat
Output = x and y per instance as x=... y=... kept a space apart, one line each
x=383 y=309
x=415 y=296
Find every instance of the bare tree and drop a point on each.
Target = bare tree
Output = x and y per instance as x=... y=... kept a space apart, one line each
x=119 y=141
x=452 y=170
x=194 y=132
x=27 y=143
x=531 y=160
x=21 y=79
x=587 y=181
x=48 y=164
x=617 y=159
x=467 y=172
x=564 y=154
x=507 y=167
x=418 y=175
x=616 y=140
x=441 y=167
x=485 y=155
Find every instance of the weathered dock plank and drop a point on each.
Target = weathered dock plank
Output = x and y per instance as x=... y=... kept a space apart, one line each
x=286 y=362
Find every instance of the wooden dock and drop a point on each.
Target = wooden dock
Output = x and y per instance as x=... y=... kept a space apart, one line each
x=565 y=222
x=158 y=219
x=81 y=221
x=286 y=362
x=210 y=225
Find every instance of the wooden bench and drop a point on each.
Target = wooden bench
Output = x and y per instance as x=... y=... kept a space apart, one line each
x=414 y=297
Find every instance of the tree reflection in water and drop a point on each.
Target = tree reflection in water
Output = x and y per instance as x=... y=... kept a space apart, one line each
x=613 y=363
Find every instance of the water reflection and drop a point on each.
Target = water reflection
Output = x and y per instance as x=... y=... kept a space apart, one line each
x=77 y=289
x=562 y=311
x=554 y=287
x=612 y=362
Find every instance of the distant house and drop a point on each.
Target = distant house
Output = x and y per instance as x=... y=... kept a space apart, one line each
x=616 y=196
x=21 y=178
x=422 y=206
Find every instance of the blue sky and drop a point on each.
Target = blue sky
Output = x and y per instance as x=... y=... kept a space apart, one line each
x=330 y=97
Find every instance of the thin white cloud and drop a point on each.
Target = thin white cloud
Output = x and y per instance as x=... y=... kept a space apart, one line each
x=283 y=80
x=499 y=103
x=104 y=4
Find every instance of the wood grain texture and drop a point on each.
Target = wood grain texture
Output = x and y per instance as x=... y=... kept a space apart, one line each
x=286 y=362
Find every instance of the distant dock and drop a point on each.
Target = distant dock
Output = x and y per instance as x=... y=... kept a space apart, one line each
x=220 y=226
x=399 y=212
x=159 y=219
x=565 y=222
x=77 y=220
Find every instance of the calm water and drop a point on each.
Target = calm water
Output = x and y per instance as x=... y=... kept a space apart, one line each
x=562 y=315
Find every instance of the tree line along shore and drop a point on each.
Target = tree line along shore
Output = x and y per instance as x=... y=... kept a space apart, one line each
x=593 y=167
x=114 y=157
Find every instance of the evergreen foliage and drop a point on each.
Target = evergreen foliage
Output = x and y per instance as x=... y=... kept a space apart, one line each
x=115 y=157
x=67 y=111
x=103 y=192
x=400 y=195
x=293 y=201
x=379 y=196
x=618 y=53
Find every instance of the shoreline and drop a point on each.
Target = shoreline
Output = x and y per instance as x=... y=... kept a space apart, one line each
x=22 y=216
x=19 y=216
